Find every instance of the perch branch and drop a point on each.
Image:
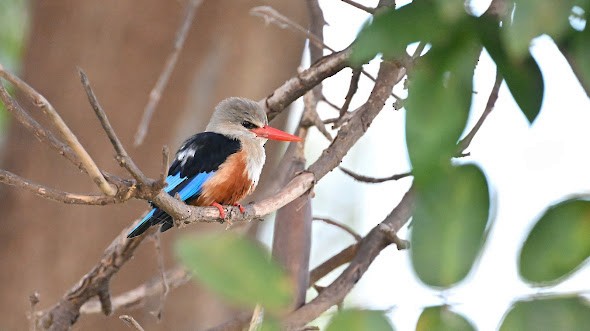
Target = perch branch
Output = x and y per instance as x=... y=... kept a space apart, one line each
x=162 y=81
x=71 y=139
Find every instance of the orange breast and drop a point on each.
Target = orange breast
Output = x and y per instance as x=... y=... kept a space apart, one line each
x=229 y=184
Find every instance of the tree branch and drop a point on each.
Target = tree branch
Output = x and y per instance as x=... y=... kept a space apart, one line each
x=368 y=250
x=162 y=81
x=344 y=227
x=296 y=87
x=359 y=6
x=137 y=297
x=70 y=138
x=466 y=141
x=122 y=157
x=11 y=179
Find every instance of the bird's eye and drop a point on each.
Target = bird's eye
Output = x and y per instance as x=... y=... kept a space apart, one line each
x=248 y=125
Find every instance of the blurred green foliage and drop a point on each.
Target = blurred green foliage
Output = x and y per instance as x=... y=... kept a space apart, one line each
x=13 y=29
x=448 y=229
x=440 y=318
x=359 y=320
x=238 y=269
x=558 y=244
x=452 y=203
x=562 y=313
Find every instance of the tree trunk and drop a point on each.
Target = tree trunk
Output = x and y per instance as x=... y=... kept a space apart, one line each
x=122 y=46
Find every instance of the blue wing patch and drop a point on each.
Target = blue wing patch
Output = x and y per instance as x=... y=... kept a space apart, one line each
x=193 y=187
x=173 y=181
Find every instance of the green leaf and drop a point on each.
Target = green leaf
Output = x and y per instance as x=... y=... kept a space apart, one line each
x=533 y=18
x=270 y=324
x=391 y=31
x=523 y=76
x=359 y=320
x=440 y=318
x=450 y=217
x=562 y=313
x=438 y=102
x=237 y=269
x=558 y=244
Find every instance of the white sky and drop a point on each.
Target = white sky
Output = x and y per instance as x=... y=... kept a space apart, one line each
x=527 y=169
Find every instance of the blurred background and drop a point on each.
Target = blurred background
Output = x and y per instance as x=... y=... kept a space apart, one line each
x=46 y=246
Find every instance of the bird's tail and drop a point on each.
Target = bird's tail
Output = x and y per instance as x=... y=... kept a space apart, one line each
x=145 y=223
x=155 y=216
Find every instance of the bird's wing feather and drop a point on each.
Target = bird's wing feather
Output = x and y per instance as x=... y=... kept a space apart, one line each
x=196 y=161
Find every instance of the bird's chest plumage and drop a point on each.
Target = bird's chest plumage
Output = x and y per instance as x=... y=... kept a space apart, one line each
x=236 y=178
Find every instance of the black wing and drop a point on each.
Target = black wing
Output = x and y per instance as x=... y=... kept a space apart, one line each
x=200 y=154
x=203 y=152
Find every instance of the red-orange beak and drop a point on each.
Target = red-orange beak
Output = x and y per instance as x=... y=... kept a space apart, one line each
x=274 y=134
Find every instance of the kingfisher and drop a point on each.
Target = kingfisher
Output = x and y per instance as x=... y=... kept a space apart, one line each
x=221 y=165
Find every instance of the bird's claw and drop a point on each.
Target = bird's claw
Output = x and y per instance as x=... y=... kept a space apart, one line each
x=240 y=207
x=220 y=208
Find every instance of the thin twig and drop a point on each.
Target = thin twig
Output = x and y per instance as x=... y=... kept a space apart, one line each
x=373 y=180
x=162 y=271
x=369 y=248
x=122 y=157
x=271 y=16
x=37 y=130
x=331 y=104
x=391 y=233
x=466 y=141
x=310 y=115
x=69 y=137
x=257 y=318
x=131 y=322
x=343 y=257
x=359 y=6
x=297 y=86
x=162 y=81
x=9 y=178
x=165 y=164
x=354 y=85
x=344 y=227
x=137 y=297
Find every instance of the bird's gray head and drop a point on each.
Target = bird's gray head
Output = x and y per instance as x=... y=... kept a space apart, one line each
x=236 y=117
x=242 y=119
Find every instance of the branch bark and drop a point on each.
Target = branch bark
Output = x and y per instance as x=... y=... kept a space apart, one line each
x=70 y=138
x=368 y=250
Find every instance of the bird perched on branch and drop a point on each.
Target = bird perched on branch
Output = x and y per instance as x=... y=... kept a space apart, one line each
x=221 y=165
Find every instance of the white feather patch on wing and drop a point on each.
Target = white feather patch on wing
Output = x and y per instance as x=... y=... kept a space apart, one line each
x=184 y=154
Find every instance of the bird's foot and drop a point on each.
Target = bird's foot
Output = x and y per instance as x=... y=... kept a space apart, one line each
x=240 y=207
x=220 y=208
